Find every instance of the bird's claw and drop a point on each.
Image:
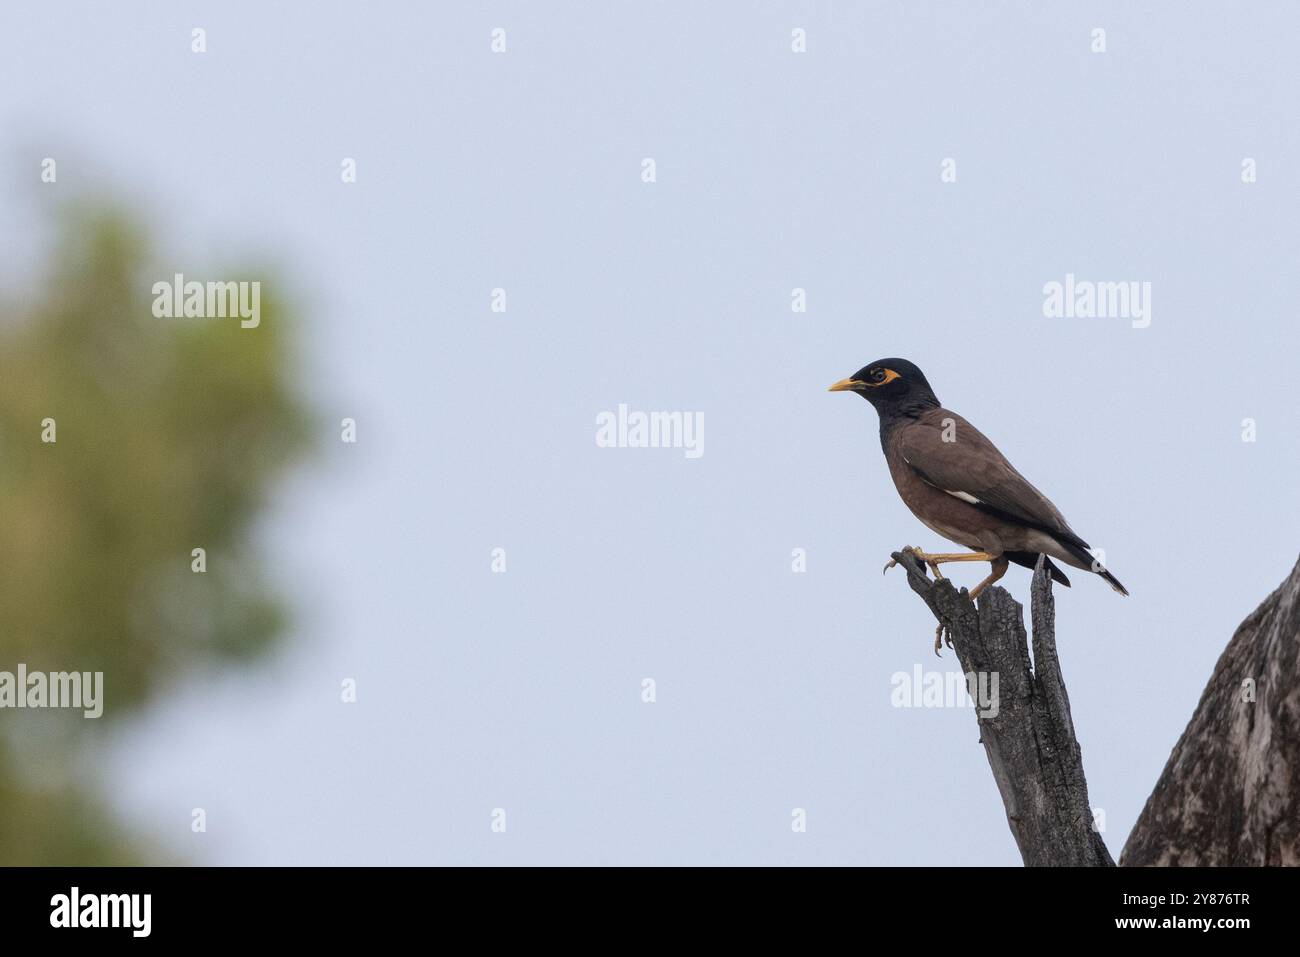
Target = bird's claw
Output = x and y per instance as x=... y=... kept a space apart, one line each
x=941 y=635
x=914 y=551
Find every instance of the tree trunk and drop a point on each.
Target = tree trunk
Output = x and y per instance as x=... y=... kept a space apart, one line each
x=1029 y=736
x=1230 y=794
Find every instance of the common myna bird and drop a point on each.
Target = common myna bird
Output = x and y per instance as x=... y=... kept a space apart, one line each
x=960 y=486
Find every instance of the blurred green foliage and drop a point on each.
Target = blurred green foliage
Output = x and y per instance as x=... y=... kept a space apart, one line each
x=170 y=434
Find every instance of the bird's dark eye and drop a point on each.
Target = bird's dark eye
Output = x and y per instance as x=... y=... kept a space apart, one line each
x=877 y=375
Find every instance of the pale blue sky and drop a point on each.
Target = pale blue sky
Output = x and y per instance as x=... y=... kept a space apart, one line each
x=775 y=170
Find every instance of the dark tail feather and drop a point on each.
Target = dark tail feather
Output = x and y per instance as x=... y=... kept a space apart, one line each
x=1112 y=580
x=1086 y=557
x=1030 y=560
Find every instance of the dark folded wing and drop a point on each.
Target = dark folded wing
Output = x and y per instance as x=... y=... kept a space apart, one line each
x=951 y=454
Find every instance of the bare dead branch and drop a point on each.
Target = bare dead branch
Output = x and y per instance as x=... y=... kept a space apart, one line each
x=1030 y=740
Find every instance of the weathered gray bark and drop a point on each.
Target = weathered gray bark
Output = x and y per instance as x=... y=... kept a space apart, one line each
x=1030 y=741
x=1230 y=794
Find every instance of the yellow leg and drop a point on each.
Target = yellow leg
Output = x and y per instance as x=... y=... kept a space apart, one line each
x=1000 y=566
x=934 y=560
x=930 y=559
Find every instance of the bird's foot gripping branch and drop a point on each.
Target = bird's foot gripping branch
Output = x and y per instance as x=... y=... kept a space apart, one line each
x=1029 y=740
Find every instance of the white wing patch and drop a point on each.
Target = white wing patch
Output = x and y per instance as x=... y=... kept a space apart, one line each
x=964 y=496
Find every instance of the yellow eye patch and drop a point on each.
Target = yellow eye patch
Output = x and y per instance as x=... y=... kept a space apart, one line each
x=889 y=376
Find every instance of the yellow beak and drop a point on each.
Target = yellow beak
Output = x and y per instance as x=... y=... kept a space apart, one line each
x=846 y=385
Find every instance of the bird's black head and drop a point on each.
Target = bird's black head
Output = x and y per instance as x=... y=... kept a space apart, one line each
x=895 y=387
